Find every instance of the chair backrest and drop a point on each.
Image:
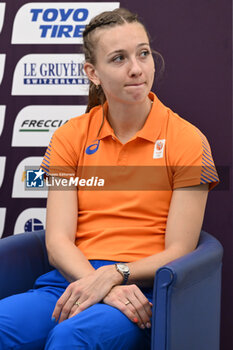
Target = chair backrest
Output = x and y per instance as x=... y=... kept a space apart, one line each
x=23 y=258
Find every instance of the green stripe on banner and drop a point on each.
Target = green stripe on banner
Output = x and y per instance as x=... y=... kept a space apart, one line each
x=40 y=130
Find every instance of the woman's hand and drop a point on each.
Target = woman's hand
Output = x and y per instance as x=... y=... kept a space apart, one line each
x=87 y=291
x=132 y=302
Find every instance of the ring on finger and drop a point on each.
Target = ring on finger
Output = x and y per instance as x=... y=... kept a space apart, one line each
x=77 y=303
x=127 y=302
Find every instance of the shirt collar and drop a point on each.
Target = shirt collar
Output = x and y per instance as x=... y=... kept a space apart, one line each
x=106 y=129
x=155 y=120
x=150 y=130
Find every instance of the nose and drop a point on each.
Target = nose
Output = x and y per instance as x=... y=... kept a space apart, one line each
x=134 y=67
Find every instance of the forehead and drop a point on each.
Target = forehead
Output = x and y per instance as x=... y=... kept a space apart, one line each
x=120 y=37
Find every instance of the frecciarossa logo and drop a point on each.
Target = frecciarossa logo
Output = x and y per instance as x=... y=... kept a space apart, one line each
x=93 y=147
x=53 y=22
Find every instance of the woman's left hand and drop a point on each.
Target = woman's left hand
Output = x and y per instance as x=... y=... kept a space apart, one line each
x=130 y=300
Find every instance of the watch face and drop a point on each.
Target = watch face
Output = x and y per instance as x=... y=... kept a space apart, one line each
x=123 y=267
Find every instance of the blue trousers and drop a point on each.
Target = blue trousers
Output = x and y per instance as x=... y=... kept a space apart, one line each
x=25 y=321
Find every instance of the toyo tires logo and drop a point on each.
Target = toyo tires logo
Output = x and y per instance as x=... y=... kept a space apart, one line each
x=55 y=23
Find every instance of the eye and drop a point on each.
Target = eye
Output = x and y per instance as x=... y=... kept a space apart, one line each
x=118 y=58
x=144 y=53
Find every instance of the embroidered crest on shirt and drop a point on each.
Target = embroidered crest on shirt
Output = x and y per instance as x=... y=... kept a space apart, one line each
x=159 y=149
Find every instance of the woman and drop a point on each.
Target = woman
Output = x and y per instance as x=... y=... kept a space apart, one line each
x=100 y=294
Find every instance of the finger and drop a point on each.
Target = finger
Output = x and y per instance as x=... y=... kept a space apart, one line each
x=66 y=310
x=140 y=319
x=128 y=310
x=84 y=304
x=131 y=312
x=141 y=304
x=145 y=302
x=73 y=310
x=59 y=305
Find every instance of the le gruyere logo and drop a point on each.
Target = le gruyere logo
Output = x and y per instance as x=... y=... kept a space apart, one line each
x=50 y=74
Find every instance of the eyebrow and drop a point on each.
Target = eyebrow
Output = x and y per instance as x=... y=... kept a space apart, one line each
x=122 y=50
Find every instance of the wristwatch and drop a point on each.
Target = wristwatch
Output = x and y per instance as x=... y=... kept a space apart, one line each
x=124 y=271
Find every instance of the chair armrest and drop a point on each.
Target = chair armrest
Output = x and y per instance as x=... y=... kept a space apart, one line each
x=186 y=311
x=23 y=258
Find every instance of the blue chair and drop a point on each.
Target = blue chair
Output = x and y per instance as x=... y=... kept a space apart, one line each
x=186 y=308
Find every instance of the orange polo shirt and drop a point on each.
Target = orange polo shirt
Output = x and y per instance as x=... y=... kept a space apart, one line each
x=123 y=209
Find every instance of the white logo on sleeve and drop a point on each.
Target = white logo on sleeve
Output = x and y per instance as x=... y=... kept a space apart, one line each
x=159 y=149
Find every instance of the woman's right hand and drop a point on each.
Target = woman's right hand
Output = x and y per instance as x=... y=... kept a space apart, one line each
x=87 y=291
x=132 y=302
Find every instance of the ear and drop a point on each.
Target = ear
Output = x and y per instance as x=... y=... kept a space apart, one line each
x=91 y=73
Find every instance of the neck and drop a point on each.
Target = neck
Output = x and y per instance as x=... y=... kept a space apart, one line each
x=126 y=120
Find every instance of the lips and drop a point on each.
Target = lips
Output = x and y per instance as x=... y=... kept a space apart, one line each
x=135 y=84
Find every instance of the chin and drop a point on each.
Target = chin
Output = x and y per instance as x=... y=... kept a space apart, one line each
x=139 y=98
x=129 y=98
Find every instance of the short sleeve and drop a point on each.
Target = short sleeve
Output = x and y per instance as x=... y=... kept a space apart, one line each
x=60 y=158
x=192 y=162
